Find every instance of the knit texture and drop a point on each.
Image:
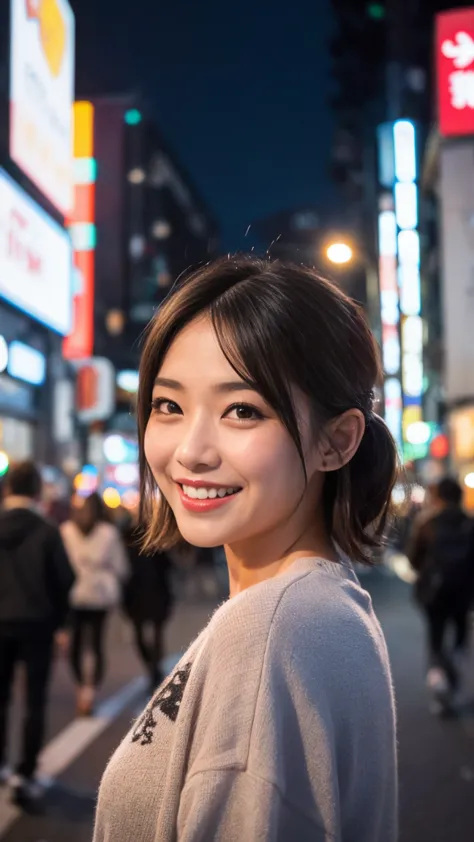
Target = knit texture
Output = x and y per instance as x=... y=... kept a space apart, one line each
x=278 y=724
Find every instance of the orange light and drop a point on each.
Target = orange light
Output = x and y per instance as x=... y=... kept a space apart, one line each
x=83 y=130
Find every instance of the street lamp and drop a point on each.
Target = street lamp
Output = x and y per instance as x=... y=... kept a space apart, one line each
x=339 y=253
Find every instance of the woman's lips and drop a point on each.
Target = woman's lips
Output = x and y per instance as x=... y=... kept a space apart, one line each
x=193 y=504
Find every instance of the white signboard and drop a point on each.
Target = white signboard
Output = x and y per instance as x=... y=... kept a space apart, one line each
x=35 y=259
x=457 y=213
x=41 y=95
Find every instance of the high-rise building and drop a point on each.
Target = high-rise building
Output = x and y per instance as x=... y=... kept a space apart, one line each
x=383 y=154
x=151 y=225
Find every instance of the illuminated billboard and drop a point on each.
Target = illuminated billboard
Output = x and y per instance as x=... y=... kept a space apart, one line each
x=455 y=71
x=35 y=259
x=41 y=95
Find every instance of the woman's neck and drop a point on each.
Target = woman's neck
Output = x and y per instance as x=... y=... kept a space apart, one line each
x=261 y=557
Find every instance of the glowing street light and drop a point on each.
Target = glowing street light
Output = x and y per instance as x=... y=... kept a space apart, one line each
x=469 y=480
x=339 y=253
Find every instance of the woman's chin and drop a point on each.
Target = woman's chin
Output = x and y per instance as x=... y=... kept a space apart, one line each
x=198 y=537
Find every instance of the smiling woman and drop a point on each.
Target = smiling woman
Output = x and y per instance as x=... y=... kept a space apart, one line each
x=256 y=424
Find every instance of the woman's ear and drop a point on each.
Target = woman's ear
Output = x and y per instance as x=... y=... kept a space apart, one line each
x=342 y=437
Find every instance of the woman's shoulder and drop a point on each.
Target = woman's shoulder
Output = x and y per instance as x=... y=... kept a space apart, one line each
x=318 y=610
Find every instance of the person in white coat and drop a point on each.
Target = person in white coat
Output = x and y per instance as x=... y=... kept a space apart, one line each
x=97 y=554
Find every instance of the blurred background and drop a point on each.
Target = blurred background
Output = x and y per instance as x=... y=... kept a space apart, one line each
x=138 y=141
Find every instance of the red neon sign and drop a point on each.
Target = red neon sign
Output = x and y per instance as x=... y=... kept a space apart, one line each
x=455 y=71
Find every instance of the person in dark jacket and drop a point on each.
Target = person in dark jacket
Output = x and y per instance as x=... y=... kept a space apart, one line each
x=147 y=600
x=35 y=579
x=441 y=551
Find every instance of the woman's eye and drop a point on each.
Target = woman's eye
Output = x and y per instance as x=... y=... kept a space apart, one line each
x=163 y=406
x=243 y=412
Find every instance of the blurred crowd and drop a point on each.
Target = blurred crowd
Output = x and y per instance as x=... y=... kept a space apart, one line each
x=65 y=567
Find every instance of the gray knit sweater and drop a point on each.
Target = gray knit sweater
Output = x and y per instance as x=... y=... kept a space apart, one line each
x=278 y=724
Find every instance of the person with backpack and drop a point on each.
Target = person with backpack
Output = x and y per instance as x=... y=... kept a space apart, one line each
x=35 y=580
x=441 y=551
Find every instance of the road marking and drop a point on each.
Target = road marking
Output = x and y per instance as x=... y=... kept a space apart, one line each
x=76 y=737
x=63 y=749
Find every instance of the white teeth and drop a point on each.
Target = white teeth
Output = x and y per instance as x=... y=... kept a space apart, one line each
x=207 y=493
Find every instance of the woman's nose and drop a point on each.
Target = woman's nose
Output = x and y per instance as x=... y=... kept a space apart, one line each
x=197 y=450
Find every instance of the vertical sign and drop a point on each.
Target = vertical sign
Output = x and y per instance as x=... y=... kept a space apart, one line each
x=455 y=71
x=41 y=95
x=80 y=342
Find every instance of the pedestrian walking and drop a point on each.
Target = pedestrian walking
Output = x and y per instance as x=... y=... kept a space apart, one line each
x=147 y=600
x=35 y=579
x=98 y=557
x=441 y=550
x=256 y=423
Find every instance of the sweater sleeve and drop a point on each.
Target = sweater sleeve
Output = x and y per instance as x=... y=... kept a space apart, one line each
x=232 y=805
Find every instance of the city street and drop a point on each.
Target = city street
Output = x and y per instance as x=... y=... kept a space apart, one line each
x=436 y=757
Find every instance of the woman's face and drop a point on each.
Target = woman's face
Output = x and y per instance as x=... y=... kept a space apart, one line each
x=219 y=454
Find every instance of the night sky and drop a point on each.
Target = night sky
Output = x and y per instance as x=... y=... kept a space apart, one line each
x=239 y=90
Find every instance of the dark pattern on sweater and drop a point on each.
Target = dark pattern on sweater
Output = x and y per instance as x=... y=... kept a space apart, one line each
x=167 y=700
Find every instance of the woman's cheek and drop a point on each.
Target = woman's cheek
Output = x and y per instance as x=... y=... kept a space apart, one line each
x=153 y=446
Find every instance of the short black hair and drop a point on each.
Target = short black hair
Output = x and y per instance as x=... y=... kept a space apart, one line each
x=24 y=479
x=449 y=491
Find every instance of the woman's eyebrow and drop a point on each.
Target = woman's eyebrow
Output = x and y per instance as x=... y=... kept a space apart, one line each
x=220 y=388
x=168 y=384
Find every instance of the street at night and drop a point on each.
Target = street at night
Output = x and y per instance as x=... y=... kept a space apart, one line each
x=236 y=373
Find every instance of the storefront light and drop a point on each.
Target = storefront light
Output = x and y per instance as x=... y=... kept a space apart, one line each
x=26 y=363
x=128 y=381
x=4 y=463
x=111 y=498
x=412 y=375
x=412 y=335
x=136 y=176
x=404 y=150
x=406 y=205
x=390 y=350
x=389 y=307
x=115 y=449
x=418 y=433
x=387 y=226
x=83 y=236
x=393 y=407
x=85 y=171
x=469 y=480
x=126 y=474
x=410 y=289
x=3 y=353
x=409 y=248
